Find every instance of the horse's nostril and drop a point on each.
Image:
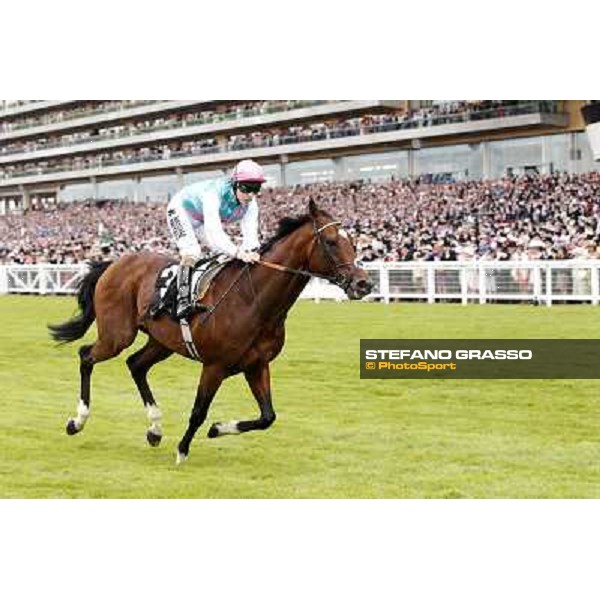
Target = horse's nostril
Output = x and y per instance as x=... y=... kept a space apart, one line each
x=364 y=285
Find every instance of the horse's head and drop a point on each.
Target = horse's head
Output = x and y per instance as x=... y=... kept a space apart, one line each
x=332 y=255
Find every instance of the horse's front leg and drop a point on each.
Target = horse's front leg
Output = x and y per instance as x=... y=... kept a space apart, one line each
x=139 y=364
x=210 y=381
x=259 y=380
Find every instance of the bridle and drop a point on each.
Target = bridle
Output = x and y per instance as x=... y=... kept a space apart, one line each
x=338 y=278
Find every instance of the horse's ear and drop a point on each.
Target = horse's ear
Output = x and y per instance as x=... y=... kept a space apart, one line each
x=312 y=207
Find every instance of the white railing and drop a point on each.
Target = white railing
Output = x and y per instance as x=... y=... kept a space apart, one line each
x=41 y=279
x=480 y=282
x=542 y=282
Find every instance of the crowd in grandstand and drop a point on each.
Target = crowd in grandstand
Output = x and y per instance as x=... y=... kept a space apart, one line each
x=532 y=216
x=62 y=114
x=330 y=128
x=145 y=124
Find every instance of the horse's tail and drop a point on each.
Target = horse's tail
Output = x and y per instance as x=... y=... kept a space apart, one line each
x=76 y=327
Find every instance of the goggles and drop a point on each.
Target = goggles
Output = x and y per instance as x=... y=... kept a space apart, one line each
x=249 y=187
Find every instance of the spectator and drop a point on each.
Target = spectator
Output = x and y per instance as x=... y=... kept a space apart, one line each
x=519 y=218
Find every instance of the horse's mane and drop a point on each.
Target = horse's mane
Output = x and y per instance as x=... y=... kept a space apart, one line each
x=286 y=226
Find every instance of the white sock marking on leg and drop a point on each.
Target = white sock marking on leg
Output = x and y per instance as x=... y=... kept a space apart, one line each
x=155 y=417
x=83 y=412
x=228 y=428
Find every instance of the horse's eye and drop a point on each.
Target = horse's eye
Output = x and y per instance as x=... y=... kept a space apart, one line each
x=331 y=243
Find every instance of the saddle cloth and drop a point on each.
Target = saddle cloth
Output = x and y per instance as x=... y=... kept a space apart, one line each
x=165 y=292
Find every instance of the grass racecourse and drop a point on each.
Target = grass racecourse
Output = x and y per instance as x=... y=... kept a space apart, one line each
x=336 y=436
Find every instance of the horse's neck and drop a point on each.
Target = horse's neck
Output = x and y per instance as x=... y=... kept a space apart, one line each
x=277 y=291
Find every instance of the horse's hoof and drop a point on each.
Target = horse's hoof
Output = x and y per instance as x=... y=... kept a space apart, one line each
x=153 y=438
x=213 y=432
x=71 y=427
x=180 y=457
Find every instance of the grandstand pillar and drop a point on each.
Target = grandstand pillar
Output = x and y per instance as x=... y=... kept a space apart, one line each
x=179 y=174
x=94 y=183
x=574 y=154
x=282 y=177
x=486 y=157
x=546 y=156
x=412 y=164
x=339 y=169
x=283 y=161
x=137 y=189
x=25 y=198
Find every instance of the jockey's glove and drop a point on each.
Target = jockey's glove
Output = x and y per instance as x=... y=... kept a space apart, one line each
x=247 y=256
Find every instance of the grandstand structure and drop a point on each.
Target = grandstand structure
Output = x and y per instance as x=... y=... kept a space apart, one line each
x=146 y=150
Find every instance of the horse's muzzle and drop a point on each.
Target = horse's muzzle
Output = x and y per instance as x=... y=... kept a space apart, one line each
x=359 y=287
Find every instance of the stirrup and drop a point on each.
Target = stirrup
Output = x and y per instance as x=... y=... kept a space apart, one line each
x=184 y=311
x=154 y=310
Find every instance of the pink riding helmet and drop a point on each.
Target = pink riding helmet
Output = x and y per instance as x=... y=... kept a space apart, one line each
x=248 y=171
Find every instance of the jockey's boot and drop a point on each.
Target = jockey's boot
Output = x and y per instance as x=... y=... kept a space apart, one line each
x=184 y=302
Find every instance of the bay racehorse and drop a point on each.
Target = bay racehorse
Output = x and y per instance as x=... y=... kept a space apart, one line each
x=243 y=333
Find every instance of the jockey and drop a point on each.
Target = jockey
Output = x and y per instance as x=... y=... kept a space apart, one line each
x=199 y=210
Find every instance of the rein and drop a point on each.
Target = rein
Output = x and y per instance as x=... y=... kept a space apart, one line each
x=224 y=295
x=284 y=269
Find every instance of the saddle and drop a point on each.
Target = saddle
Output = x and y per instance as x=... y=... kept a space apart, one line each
x=165 y=290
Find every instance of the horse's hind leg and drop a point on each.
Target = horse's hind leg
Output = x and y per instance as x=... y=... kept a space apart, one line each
x=102 y=349
x=259 y=380
x=76 y=424
x=139 y=364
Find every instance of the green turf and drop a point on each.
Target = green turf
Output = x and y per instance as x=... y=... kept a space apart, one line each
x=336 y=436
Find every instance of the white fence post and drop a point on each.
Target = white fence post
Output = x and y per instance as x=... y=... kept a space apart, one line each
x=3 y=279
x=384 y=283
x=549 y=285
x=537 y=283
x=430 y=283
x=595 y=287
x=43 y=279
x=317 y=287
x=482 y=282
x=463 y=284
